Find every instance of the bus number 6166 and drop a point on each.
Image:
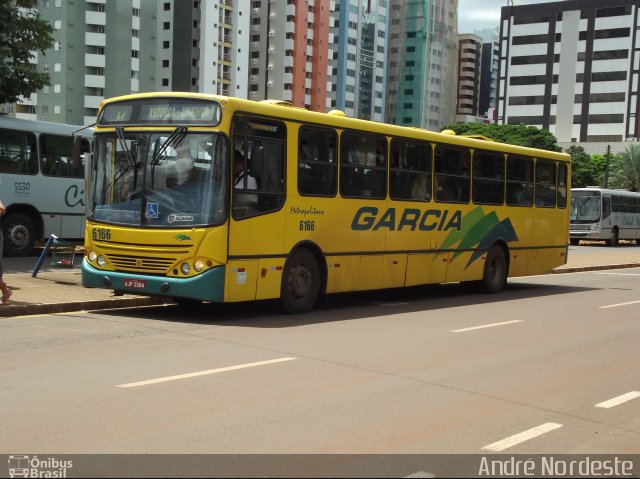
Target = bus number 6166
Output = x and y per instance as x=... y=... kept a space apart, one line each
x=101 y=233
x=307 y=225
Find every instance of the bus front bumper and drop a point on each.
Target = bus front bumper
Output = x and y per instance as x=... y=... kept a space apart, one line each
x=208 y=286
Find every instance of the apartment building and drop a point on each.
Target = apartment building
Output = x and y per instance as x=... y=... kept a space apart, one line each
x=108 y=48
x=489 y=71
x=469 y=63
x=358 y=64
x=572 y=67
x=97 y=53
x=422 y=63
x=289 y=52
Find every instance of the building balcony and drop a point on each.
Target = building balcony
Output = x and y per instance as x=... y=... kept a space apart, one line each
x=95 y=39
x=95 y=18
x=92 y=101
x=94 y=81
x=93 y=60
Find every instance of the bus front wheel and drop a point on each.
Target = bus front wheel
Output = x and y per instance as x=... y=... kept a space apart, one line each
x=19 y=231
x=300 y=286
x=494 y=277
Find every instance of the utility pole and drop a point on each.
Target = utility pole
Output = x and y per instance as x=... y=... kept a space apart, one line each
x=606 y=167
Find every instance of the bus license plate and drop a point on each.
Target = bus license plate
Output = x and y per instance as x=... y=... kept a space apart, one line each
x=135 y=283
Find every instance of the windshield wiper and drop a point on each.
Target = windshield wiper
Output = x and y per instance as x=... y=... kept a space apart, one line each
x=176 y=137
x=124 y=147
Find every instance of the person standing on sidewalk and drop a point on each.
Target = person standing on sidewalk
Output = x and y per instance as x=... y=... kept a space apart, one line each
x=6 y=292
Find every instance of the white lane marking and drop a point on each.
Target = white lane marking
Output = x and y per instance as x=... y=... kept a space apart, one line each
x=619 y=304
x=622 y=274
x=619 y=400
x=485 y=326
x=202 y=373
x=522 y=437
x=421 y=474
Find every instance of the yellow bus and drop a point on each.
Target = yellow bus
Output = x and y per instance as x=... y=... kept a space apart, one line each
x=218 y=199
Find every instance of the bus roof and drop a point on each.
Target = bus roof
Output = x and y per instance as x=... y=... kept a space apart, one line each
x=608 y=191
x=285 y=110
x=37 y=126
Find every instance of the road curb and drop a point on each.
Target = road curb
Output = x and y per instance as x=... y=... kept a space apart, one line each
x=9 y=310
x=579 y=269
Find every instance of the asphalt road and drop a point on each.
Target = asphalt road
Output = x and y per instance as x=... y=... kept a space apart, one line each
x=549 y=366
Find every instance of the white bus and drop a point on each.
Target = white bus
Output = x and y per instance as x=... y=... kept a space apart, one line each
x=598 y=214
x=41 y=186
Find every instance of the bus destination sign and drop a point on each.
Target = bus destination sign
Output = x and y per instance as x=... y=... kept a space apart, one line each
x=165 y=111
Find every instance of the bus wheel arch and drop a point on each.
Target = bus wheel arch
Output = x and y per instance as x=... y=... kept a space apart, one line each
x=496 y=268
x=21 y=228
x=303 y=279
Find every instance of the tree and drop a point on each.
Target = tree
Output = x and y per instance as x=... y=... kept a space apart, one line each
x=22 y=32
x=522 y=135
x=586 y=170
x=624 y=169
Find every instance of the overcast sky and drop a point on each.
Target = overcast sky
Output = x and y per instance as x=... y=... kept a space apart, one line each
x=474 y=14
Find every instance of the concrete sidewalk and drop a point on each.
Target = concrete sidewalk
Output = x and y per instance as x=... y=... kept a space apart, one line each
x=59 y=291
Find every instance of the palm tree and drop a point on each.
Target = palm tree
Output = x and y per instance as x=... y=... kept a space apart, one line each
x=625 y=169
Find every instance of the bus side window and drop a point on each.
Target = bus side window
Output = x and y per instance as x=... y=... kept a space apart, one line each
x=317 y=170
x=606 y=207
x=363 y=168
x=452 y=174
x=562 y=185
x=545 y=184
x=18 y=153
x=262 y=142
x=519 y=181
x=410 y=170
x=57 y=153
x=488 y=178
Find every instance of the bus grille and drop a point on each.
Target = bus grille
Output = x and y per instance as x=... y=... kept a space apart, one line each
x=141 y=263
x=575 y=227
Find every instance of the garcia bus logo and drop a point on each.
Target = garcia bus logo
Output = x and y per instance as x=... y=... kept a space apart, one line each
x=27 y=466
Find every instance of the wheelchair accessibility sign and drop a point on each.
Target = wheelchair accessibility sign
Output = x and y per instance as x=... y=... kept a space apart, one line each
x=152 y=210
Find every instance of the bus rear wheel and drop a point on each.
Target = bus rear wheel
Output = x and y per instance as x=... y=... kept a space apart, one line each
x=574 y=241
x=300 y=286
x=19 y=231
x=494 y=277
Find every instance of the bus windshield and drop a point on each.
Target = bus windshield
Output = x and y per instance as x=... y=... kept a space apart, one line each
x=168 y=179
x=585 y=206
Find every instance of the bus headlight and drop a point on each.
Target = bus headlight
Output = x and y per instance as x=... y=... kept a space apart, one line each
x=185 y=268
x=198 y=265
x=92 y=256
x=101 y=261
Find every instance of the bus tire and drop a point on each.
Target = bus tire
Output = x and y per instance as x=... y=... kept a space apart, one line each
x=574 y=241
x=494 y=277
x=300 y=287
x=613 y=241
x=19 y=231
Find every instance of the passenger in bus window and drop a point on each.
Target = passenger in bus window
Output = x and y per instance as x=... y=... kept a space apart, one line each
x=243 y=180
x=186 y=171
